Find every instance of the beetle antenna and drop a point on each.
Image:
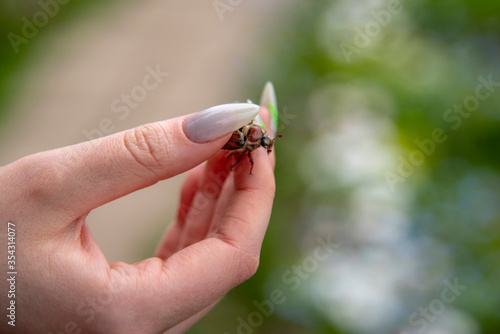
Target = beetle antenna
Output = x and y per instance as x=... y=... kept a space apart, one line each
x=273 y=139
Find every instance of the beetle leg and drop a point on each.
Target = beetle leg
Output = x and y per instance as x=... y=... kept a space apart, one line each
x=250 y=158
x=238 y=161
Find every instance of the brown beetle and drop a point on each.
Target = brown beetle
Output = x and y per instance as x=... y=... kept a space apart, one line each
x=253 y=135
x=248 y=138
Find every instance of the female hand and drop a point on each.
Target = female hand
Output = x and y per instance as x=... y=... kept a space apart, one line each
x=64 y=283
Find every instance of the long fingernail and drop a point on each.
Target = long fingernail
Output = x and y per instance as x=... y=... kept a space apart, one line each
x=268 y=99
x=268 y=96
x=216 y=121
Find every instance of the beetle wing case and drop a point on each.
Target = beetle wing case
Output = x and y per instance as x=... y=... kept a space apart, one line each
x=236 y=141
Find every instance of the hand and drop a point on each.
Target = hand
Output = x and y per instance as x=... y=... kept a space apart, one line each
x=64 y=283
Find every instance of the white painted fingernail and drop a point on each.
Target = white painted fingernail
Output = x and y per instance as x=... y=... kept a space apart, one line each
x=268 y=96
x=268 y=99
x=216 y=121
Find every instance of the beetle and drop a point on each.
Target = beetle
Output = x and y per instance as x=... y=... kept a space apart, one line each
x=248 y=138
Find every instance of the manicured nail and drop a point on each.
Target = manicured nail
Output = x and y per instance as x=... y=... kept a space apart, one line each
x=268 y=99
x=268 y=96
x=216 y=121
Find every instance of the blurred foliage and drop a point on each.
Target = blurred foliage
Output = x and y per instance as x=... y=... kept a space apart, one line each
x=16 y=47
x=424 y=61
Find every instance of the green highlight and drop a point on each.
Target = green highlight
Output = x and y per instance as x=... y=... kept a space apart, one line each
x=260 y=121
x=274 y=114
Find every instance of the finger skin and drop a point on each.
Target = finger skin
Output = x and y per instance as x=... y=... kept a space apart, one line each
x=230 y=254
x=201 y=212
x=66 y=278
x=206 y=270
x=76 y=179
x=207 y=192
x=188 y=323
x=171 y=240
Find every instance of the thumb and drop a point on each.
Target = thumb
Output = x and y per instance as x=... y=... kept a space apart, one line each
x=82 y=177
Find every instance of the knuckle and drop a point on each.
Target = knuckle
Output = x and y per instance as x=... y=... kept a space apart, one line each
x=247 y=253
x=147 y=144
x=39 y=178
x=248 y=266
x=271 y=189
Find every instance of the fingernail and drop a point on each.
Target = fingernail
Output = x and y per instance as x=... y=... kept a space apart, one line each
x=216 y=121
x=268 y=96
x=268 y=99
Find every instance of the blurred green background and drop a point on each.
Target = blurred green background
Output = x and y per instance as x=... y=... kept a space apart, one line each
x=389 y=111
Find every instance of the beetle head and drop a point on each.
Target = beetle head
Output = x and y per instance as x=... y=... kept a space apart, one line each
x=268 y=142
